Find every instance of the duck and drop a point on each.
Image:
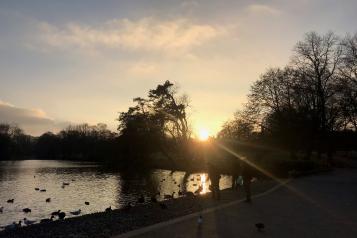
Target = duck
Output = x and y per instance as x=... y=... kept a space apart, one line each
x=43 y=190
x=26 y=210
x=10 y=201
x=48 y=199
x=65 y=184
x=260 y=226
x=37 y=189
x=86 y=203
x=108 y=209
x=55 y=213
x=45 y=220
x=61 y=215
x=28 y=222
x=76 y=213
x=141 y=199
x=1 y=209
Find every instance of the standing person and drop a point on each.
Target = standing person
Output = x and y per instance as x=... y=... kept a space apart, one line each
x=247 y=175
x=214 y=176
x=235 y=175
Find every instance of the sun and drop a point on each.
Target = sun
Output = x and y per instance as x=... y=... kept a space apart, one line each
x=203 y=134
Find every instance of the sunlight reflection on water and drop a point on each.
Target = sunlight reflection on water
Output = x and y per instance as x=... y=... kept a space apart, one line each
x=87 y=182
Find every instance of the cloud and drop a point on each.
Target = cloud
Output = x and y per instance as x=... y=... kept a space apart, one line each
x=33 y=121
x=146 y=34
x=261 y=9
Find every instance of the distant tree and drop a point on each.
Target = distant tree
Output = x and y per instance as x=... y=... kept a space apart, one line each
x=14 y=142
x=47 y=146
x=5 y=141
x=239 y=128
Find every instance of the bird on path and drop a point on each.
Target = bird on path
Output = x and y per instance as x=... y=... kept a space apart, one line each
x=1 y=209
x=10 y=201
x=260 y=226
x=37 y=189
x=86 y=203
x=48 y=199
x=43 y=190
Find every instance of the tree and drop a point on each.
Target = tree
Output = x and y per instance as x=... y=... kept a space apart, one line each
x=5 y=141
x=317 y=60
x=172 y=109
x=161 y=119
x=239 y=128
x=348 y=82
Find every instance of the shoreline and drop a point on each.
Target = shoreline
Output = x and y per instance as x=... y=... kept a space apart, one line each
x=116 y=222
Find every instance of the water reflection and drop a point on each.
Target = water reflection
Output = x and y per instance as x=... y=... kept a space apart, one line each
x=87 y=182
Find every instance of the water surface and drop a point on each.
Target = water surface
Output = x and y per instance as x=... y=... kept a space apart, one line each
x=88 y=182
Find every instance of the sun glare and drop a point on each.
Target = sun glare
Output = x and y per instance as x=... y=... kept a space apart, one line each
x=203 y=134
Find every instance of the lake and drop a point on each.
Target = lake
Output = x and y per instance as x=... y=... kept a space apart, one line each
x=88 y=182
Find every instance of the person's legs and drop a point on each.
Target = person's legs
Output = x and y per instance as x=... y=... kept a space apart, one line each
x=234 y=182
x=246 y=185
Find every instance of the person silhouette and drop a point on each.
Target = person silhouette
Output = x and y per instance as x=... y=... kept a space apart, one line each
x=214 y=176
x=247 y=175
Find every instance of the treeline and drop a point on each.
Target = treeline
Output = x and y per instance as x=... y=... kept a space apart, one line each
x=77 y=142
x=309 y=106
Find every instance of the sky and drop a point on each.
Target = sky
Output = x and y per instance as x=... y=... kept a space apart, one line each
x=83 y=61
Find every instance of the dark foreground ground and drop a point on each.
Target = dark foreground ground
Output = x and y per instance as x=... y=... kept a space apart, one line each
x=322 y=205
x=120 y=221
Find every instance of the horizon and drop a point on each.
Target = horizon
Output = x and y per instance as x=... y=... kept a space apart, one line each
x=70 y=63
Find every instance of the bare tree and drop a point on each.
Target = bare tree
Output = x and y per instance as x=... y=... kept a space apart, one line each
x=317 y=59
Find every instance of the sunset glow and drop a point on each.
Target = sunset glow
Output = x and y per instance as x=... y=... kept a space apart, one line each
x=203 y=134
